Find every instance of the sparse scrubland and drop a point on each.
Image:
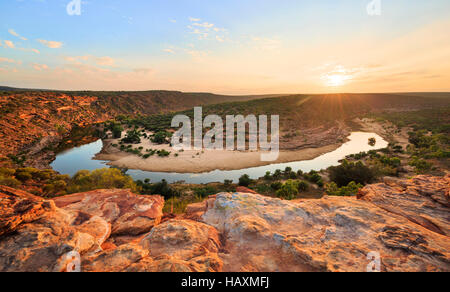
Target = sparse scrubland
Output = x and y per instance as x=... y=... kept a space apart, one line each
x=129 y=118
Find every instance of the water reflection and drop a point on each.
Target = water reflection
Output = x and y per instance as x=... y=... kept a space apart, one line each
x=79 y=158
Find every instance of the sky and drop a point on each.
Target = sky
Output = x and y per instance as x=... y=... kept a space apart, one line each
x=226 y=46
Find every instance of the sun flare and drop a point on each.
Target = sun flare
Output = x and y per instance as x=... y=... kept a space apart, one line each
x=336 y=79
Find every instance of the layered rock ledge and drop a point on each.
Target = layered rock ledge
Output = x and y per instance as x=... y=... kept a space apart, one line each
x=405 y=221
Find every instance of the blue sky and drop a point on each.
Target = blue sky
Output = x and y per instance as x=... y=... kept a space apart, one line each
x=246 y=46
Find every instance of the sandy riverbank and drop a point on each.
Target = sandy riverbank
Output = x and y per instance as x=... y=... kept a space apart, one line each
x=199 y=162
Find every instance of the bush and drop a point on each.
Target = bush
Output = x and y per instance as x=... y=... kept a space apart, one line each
x=117 y=131
x=6 y=172
x=347 y=172
x=132 y=137
x=24 y=176
x=106 y=178
x=351 y=189
x=9 y=182
x=245 y=180
x=302 y=186
x=228 y=182
x=314 y=177
x=276 y=185
x=160 y=137
x=421 y=165
x=288 y=191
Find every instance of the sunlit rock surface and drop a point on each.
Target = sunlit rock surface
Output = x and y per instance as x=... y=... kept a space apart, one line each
x=405 y=221
x=128 y=213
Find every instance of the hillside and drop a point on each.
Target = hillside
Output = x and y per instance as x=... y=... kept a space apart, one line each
x=309 y=120
x=31 y=120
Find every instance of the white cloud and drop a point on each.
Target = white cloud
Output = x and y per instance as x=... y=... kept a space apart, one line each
x=101 y=61
x=51 y=44
x=266 y=44
x=9 y=44
x=173 y=20
x=143 y=71
x=169 y=50
x=192 y=19
x=204 y=24
x=40 y=67
x=207 y=30
x=105 y=61
x=11 y=31
x=6 y=60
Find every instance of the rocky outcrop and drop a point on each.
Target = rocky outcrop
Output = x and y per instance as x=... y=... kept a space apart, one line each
x=404 y=222
x=330 y=234
x=173 y=246
x=127 y=213
x=46 y=234
x=18 y=208
x=423 y=200
x=37 y=235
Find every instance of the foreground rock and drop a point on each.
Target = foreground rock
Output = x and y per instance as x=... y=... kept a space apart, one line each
x=43 y=234
x=405 y=222
x=127 y=213
x=423 y=200
x=36 y=235
x=331 y=234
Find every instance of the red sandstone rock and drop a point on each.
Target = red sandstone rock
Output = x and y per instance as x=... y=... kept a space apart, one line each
x=245 y=190
x=126 y=212
x=239 y=232
x=423 y=200
x=18 y=208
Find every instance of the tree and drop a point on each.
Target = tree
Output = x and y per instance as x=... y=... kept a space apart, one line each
x=372 y=141
x=132 y=137
x=302 y=186
x=245 y=180
x=288 y=191
x=347 y=172
x=160 y=137
x=117 y=131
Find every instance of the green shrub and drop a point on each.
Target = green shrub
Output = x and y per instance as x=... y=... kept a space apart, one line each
x=276 y=185
x=24 y=176
x=9 y=182
x=132 y=137
x=6 y=172
x=351 y=189
x=160 y=137
x=106 y=178
x=421 y=165
x=245 y=180
x=302 y=186
x=347 y=172
x=288 y=191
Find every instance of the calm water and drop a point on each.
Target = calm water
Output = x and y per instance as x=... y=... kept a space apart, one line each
x=76 y=159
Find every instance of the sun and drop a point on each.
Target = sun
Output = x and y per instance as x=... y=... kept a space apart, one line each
x=336 y=79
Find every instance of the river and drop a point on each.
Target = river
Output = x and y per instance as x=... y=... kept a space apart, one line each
x=80 y=158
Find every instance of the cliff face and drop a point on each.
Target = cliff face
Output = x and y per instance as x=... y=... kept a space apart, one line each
x=33 y=121
x=405 y=222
